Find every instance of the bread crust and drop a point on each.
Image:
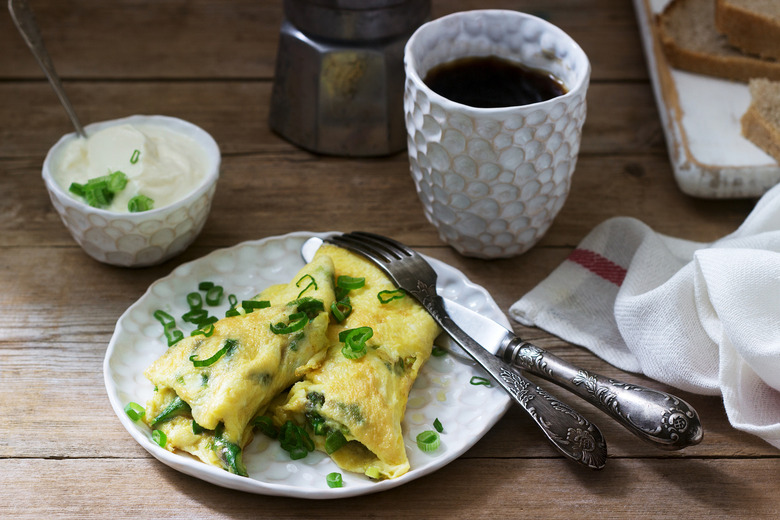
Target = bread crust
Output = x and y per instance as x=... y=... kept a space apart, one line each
x=751 y=31
x=717 y=59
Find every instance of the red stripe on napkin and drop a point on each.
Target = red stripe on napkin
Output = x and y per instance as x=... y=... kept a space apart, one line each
x=598 y=265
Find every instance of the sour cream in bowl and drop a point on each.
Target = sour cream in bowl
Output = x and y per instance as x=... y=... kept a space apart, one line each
x=137 y=191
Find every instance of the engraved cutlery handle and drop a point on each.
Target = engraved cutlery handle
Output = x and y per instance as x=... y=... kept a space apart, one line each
x=664 y=420
x=571 y=433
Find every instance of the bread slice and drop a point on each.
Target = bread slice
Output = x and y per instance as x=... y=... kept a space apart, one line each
x=691 y=42
x=761 y=122
x=751 y=25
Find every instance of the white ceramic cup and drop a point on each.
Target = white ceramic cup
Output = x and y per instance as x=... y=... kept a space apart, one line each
x=493 y=179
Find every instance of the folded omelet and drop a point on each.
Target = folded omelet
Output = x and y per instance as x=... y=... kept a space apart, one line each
x=365 y=398
x=208 y=389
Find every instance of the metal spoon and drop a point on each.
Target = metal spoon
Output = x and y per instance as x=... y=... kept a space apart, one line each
x=23 y=17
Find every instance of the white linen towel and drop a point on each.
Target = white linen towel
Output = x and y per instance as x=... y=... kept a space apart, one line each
x=702 y=317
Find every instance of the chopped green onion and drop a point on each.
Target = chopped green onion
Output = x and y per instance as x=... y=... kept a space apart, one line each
x=117 y=181
x=76 y=189
x=232 y=300
x=135 y=156
x=232 y=312
x=228 y=347
x=476 y=380
x=175 y=408
x=163 y=317
x=228 y=452
x=388 y=296
x=205 y=285
x=438 y=351
x=334 y=480
x=139 y=203
x=214 y=294
x=134 y=410
x=428 y=441
x=334 y=441
x=266 y=425
x=341 y=309
x=207 y=330
x=312 y=283
x=355 y=341
x=194 y=300
x=197 y=429
x=195 y=315
x=173 y=336
x=308 y=305
x=250 y=305
x=159 y=437
x=350 y=283
x=295 y=440
x=296 y=323
x=437 y=425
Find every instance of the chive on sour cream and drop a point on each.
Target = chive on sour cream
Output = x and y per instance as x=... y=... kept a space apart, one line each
x=160 y=164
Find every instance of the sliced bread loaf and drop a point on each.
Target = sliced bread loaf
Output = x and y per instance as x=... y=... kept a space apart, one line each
x=751 y=25
x=761 y=122
x=691 y=42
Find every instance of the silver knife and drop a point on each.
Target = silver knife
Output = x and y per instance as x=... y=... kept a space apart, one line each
x=664 y=420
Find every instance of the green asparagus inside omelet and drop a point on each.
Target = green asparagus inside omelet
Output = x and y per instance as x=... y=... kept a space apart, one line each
x=353 y=404
x=208 y=389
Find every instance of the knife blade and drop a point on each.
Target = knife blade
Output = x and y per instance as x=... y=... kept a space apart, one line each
x=662 y=419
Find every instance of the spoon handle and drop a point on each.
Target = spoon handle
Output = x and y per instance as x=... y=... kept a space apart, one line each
x=24 y=20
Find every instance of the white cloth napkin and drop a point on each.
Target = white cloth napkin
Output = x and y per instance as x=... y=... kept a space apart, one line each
x=704 y=318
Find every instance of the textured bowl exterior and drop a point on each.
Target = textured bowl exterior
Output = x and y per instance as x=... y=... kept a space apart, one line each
x=493 y=180
x=138 y=239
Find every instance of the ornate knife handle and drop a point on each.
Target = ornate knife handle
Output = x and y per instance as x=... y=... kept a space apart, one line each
x=664 y=420
x=571 y=433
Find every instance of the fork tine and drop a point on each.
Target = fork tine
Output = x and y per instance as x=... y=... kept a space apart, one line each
x=348 y=242
x=393 y=247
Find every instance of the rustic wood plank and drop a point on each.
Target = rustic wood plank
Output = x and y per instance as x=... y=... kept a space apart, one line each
x=693 y=488
x=238 y=39
x=622 y=118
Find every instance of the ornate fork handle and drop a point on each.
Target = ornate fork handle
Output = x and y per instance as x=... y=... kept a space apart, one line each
x=664 y=420
x=571 y=433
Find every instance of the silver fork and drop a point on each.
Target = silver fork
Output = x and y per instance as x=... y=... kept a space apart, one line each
x=571 y=433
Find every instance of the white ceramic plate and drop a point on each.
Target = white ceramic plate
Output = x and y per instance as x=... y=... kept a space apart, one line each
x=441 y=391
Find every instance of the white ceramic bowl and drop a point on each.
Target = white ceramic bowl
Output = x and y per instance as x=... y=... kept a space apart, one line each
x=493 y=179
x=145 y=238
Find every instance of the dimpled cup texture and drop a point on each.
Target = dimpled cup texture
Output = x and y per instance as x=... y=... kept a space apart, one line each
x=492 y=180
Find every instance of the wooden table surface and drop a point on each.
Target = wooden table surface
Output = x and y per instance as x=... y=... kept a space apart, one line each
x=63 y=452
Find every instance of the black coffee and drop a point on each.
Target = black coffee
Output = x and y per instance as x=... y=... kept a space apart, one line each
x=491 y=82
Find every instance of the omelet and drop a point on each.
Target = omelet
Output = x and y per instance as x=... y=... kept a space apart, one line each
x=208 y=389
x=364 y=399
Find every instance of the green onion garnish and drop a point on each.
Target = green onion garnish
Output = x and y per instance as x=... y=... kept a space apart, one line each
x=207 y=330
x=194 y=300
x=437 y=425
x=476 y=380
x=355 y=341
x=438 y=351
x=265 y=425
x=163 y=317
x=295 y=440
x=334 y=441
x=197 y=429
x=296 y=323
x=195 y=315
x=350 y=283
x=173 y=336
x=76 y=189
x=388 y=296
x=214 y=294
x=428 y=441
x=205 y=285
x=159 y=437
x=136 y=155
x=251 y=305
x=309 y=306
x=175 y=408
x=139 y=203
x=227 y=348
x=117 y=181
x=334 y=480
x=232 y=300
x=312 y=283
x=341 y=309
x=134 y=410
